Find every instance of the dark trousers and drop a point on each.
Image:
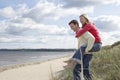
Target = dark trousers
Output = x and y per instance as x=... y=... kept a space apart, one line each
x=77 y=69
x=86 y=58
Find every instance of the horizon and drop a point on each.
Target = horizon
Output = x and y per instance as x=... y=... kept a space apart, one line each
x=49 y=48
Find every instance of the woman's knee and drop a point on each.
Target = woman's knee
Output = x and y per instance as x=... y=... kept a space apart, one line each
x=96 y=48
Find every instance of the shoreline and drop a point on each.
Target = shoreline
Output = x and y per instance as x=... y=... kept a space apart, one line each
x=5 y=68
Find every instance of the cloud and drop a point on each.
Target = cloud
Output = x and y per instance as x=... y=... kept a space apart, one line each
x=27 y=21
x=60 y=42
x=43 y=11
x=78 y=3
x=17 y=39
x=7 y=12
x=10 y=13
x=21 y=9
x=27 y=30
x=116 y=35
x=108 y=23
x=109 y=38
x=109 y=28
x=44 y=25
x=17 y=26
x=84 y=3
x=51 y=11
x=2 y=27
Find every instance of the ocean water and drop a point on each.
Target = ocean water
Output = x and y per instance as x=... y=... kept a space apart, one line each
x=10 y=58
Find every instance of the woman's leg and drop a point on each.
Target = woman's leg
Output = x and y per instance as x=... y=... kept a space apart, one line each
x=77 y=56
x=96 y=47
x=70 y=63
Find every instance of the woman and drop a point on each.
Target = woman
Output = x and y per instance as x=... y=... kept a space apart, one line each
x=87 y=25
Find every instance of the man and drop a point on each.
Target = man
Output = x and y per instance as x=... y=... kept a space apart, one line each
x=85 y=43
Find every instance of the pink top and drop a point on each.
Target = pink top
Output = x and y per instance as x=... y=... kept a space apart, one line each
x=92 y=29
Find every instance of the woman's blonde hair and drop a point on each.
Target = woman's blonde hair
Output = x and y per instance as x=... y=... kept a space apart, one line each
x=86 y=17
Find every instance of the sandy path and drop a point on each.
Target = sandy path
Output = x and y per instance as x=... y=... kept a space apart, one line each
x=40 y=71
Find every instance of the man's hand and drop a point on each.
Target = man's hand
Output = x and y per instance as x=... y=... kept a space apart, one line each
x=86 y=51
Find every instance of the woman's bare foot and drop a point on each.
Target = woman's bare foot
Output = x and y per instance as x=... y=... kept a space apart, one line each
x=68 y=61
x=70 y=64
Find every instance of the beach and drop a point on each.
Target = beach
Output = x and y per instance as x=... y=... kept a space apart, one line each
x=35 y=71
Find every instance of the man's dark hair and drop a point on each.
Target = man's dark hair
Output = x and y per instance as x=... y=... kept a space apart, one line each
x=74 y=22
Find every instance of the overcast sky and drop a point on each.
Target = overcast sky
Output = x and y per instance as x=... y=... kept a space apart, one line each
x=44 y=23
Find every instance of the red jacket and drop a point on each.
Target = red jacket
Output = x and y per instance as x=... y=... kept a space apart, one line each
x=92 y=29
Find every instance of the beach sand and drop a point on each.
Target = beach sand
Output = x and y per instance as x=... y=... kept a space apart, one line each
x=40 y=71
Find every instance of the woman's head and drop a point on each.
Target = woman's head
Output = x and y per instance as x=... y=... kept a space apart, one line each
x=84 y=19
x=74 y=25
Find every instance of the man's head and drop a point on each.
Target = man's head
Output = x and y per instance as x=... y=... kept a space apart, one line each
x=74 y=25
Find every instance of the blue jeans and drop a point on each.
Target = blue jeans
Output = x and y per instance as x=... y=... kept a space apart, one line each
x=77 y=69
x=86 y=60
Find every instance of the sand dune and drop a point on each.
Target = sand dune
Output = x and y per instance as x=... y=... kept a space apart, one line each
x=40 y=71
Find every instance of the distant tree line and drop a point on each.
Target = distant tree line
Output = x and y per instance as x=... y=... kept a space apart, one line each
x=37 y=49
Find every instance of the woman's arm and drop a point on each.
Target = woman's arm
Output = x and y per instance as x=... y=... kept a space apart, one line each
x=84 y=29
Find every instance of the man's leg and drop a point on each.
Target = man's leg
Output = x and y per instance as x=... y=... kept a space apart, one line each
x=86 y=60
x=77 y=58
x=76 y=72
x=77 y=68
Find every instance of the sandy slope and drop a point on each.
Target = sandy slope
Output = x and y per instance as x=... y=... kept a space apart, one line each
x=40 y=71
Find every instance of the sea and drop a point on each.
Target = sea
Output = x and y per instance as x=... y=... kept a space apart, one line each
x=11 y=58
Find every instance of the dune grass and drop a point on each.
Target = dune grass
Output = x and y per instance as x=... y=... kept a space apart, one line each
x=105 y=65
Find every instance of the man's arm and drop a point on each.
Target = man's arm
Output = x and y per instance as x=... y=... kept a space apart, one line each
x=90 y=39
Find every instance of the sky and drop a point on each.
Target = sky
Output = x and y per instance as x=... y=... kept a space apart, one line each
x=35 y=24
